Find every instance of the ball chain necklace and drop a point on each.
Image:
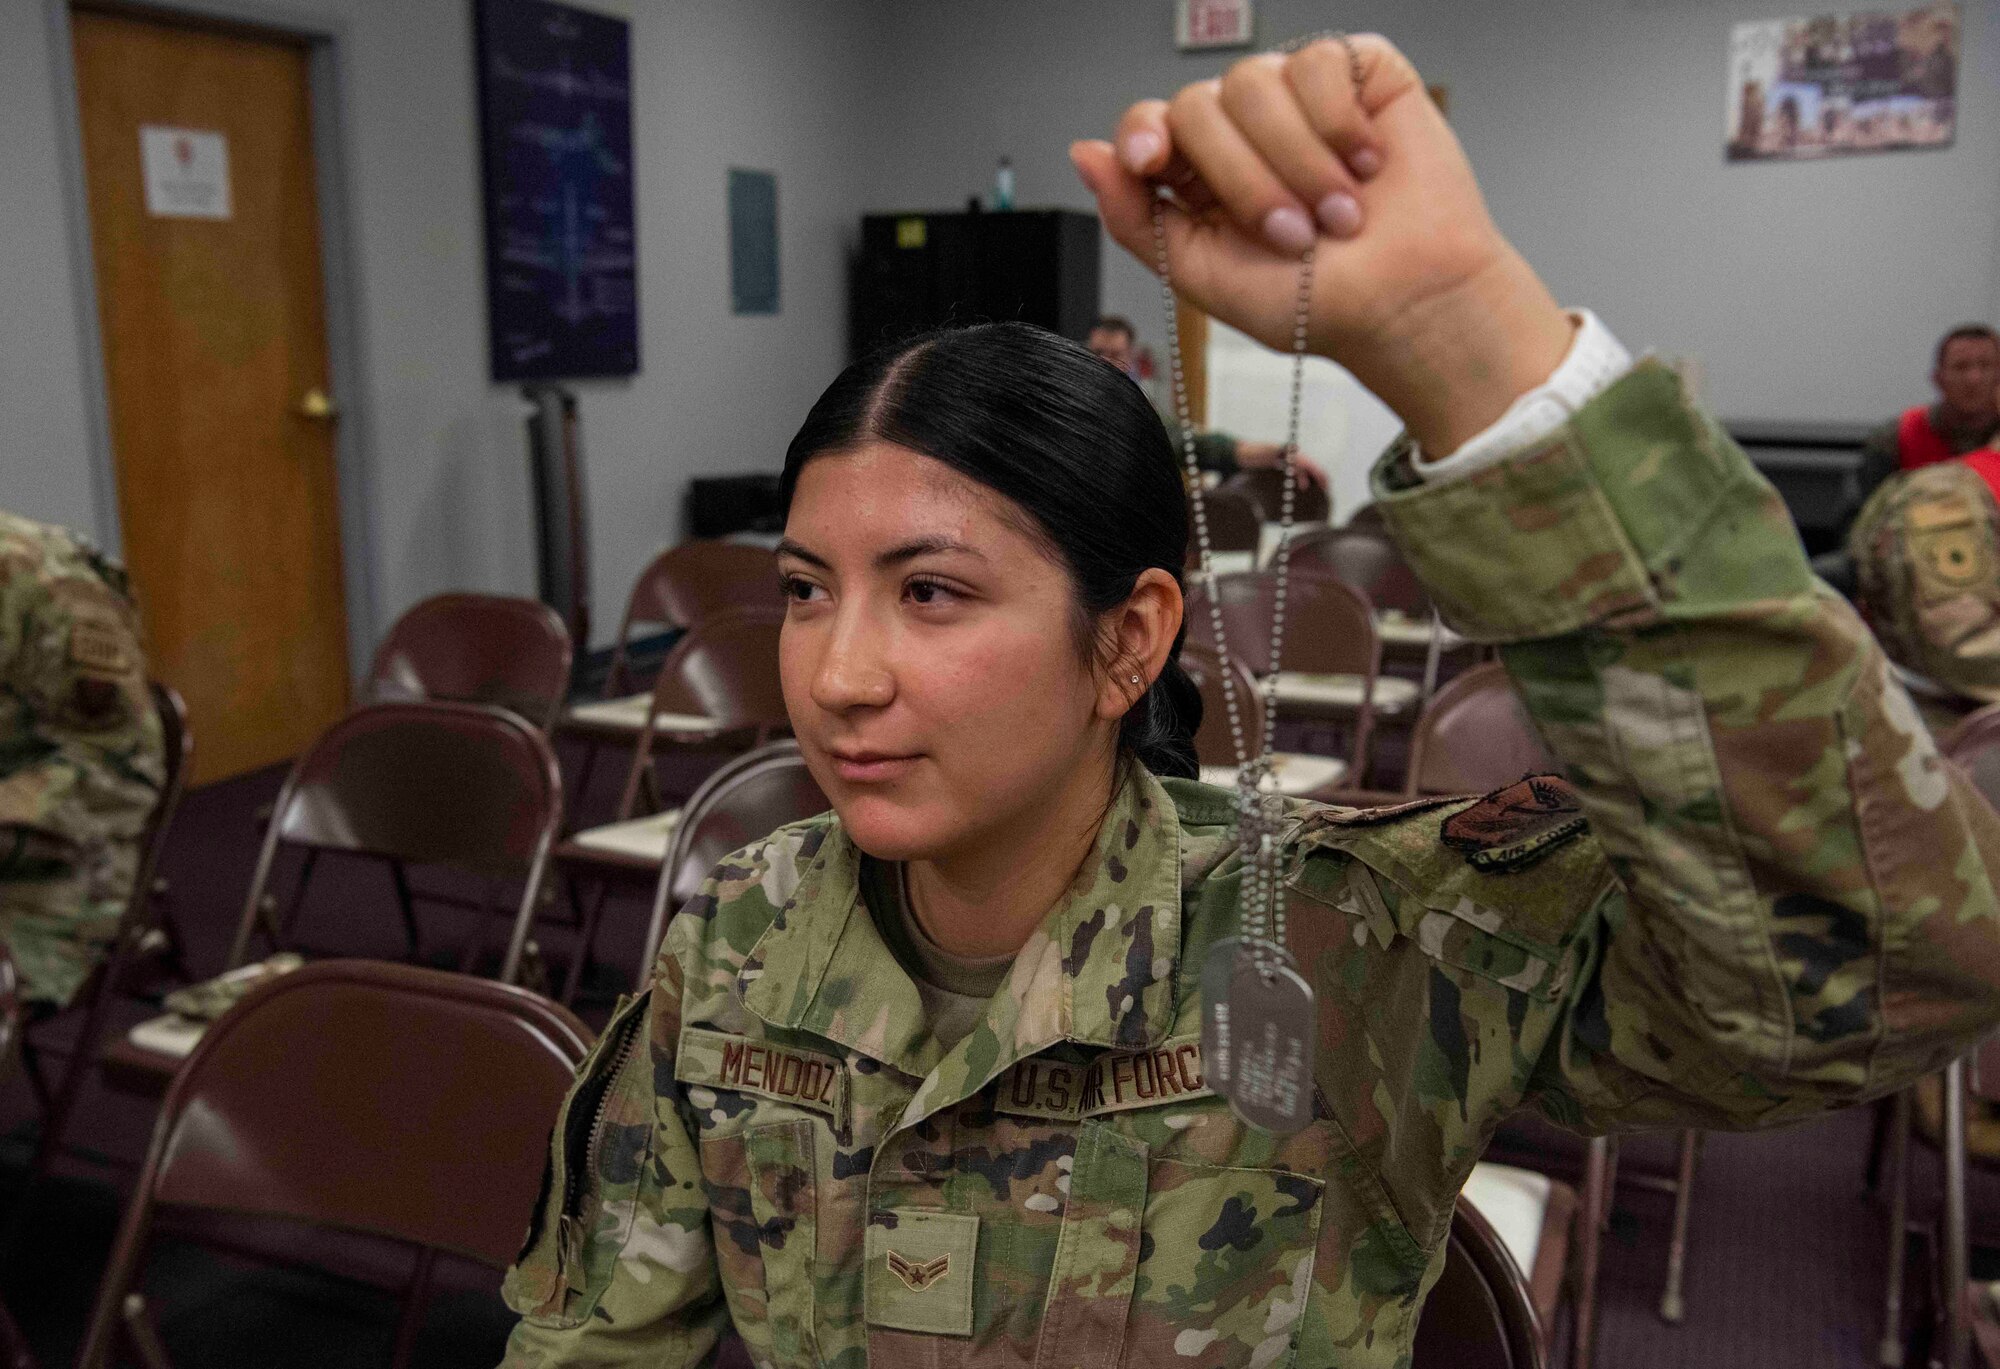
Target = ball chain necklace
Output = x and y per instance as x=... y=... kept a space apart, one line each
x=1258 y=1016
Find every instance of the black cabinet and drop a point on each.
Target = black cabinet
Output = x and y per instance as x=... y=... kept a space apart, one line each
x=919 y=271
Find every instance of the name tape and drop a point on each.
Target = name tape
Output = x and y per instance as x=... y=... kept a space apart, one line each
x=803 y=1078
x=1046 y=1089
x=1117 y=1082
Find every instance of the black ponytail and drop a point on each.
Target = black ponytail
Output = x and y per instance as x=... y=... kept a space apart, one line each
x=1071 y=441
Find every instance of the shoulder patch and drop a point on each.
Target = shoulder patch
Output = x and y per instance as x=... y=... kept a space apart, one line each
x=97 y=648
x=1512 y=828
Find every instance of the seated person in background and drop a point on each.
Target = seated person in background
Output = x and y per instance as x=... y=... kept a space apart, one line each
x=81 y=757
x=1965 y=418
x=1113 y=338
x=1926 y=555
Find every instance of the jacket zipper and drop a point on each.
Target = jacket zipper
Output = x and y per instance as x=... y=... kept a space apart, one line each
x=570 y=1225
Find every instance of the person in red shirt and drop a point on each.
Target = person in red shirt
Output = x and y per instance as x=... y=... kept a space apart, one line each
x=1965 y=418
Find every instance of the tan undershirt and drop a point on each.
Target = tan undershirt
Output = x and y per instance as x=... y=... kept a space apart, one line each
x=955 y=989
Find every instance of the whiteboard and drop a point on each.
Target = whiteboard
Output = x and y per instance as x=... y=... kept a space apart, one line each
x=1341 y=425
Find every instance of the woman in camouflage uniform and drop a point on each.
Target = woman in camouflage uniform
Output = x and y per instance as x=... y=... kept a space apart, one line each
x=920 y=1082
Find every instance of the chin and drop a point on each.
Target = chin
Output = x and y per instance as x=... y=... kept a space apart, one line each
x=890 y=830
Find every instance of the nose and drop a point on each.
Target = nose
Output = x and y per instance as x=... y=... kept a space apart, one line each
x=853 y=670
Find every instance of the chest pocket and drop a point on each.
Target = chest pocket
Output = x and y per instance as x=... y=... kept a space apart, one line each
x=763 y=1204
x=1167 y=1261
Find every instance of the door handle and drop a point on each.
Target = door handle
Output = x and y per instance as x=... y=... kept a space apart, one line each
x=315 y=405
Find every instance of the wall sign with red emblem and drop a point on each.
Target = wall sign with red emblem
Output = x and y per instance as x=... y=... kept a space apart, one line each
x=1212 y=24
x=187 y=172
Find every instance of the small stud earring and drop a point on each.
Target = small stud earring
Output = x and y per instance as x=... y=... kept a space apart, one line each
x=1135 y=679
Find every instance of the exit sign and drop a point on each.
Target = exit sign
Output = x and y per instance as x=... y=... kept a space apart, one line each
x=1212 y=24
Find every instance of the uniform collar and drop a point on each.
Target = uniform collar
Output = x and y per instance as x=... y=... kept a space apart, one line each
x=1099 y=971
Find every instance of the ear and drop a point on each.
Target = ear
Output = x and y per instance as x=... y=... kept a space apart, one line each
x=1135 y=638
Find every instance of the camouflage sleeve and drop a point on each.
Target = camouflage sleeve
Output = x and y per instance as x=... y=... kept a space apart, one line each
x=1803 y=913
x=80 y=748
x=619 y=1268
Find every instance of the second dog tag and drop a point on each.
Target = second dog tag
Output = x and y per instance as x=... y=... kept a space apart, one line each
x=1273 y=1026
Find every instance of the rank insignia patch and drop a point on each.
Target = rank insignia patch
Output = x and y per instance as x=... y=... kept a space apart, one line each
x=919 y=1276
x=920 y=1267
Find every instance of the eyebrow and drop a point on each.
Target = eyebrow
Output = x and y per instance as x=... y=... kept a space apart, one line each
x=896 y=555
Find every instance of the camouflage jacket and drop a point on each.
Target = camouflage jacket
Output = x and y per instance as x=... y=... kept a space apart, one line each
x=1763 y=895
x=80 y=754
x=1926 y=551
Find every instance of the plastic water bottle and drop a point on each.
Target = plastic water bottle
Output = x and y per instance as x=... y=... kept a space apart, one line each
x=1003 y=185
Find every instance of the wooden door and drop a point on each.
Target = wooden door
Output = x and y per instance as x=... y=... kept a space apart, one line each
x=210 y=294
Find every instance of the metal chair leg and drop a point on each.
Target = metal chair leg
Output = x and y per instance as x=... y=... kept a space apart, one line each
x=415 y=1303
x=1884 y=1110
x=1590 y=1220
x=14 y=1349
x=1672 y=1305
x=1889 y=1353
x=144 y=1332
x=37 y=1073
x=279 y=927
x=1610 y=1187
x=401 y=875
x=585 y=940
x=1957 y=1332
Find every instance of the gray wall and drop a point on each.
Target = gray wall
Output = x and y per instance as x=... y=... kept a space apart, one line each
x=720 y=83
x=1806 y=290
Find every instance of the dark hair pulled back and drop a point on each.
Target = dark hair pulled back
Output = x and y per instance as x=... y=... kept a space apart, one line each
x=1065 y=437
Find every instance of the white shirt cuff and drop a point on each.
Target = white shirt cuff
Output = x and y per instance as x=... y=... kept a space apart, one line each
x=1595 y=362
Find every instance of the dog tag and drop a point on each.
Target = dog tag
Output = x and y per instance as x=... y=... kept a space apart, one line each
x=1272 y=1030
x=1219 y=1021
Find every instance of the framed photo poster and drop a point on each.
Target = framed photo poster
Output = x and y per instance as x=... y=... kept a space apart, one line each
x=1838 y=84
x=1211 y=24
x=555 y=133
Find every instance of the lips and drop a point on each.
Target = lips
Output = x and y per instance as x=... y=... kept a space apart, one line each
x=870 y=767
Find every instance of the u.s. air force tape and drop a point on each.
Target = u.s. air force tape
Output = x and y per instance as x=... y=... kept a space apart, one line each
x=1115 y=1082
x=805 y=1079
x=1048 y=1089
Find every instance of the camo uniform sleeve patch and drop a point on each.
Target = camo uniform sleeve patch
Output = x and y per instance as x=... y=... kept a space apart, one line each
x=1512 y=828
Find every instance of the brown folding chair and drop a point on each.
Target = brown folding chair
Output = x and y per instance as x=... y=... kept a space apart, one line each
x=1475 y=737
x=745 y=800
x=127 y=944
x=14 y=1350
x=1479 y=1314
x=477 y=648
x=457 y=784
x=678 y=588
x=727 y=663
x=1368 y=558
x=1332 y=667
x=360 y=1096
x=1266 y=492
x=685 y=584
x=1298 y=774
x=1234 y=524
x=469 y=786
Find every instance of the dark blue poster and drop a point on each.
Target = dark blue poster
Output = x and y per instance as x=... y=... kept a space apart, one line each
x=562 y=284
